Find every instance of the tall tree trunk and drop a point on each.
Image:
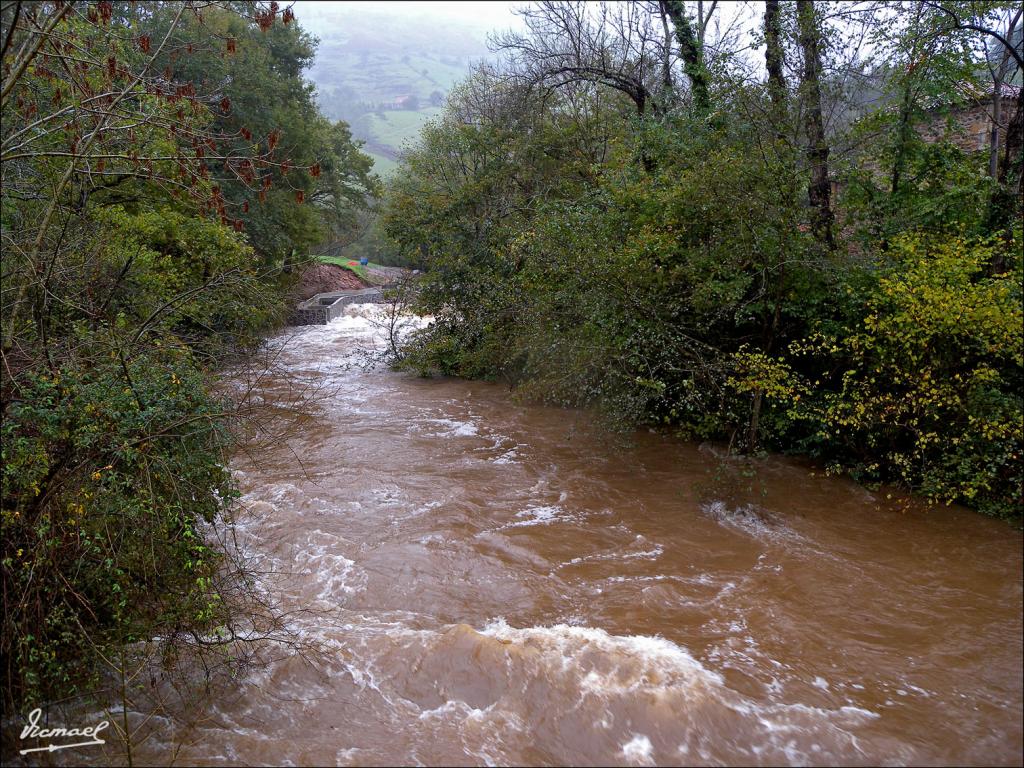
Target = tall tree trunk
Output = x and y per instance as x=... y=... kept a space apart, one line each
x=1012 y=167
x=1004 y=204
x=997 y=119
x=903 y=129
x=692 y=53
x=819 y=193
x=666 y=59
x=777 y=92
x=998 y=78
x=774 y=61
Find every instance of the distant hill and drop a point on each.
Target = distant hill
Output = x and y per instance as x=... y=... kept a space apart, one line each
x=386 y=74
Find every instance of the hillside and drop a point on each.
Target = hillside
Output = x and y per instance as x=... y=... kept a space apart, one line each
x=387 y=73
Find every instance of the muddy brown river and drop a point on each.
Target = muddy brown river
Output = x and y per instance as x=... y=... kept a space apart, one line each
x=499 y=583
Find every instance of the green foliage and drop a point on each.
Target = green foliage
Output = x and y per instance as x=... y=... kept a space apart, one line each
x=138 y=263
x=110 y=474
x=929 y=389
x=186 y=277
x=266 y=95
x=672 y=279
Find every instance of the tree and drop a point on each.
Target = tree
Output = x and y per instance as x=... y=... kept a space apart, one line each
x=819 y=191
x=128 y=283
x=568 y=43
x=692 y=52
x=774 y=56
x=258 y=71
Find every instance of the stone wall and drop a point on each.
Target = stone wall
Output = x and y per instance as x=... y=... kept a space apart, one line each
x=969 y=125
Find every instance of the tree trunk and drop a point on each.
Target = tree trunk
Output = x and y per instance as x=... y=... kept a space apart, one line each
x=774 y=61
x=690 y=50
x=666 y=59
x=1004 y=204
x=997 y=118
x=902 y=137
x=1012 y=167
x=819 y=192
x=998 y=78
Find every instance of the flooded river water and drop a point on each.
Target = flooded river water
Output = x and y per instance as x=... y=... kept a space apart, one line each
x=500 y=583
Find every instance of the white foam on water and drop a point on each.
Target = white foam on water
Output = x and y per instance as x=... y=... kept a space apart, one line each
x=646 y=553
x=751 y=520
x=649 y=651
x=422 y=509
x=458 y=708
x=509 y=457
x=542 y=515
x=449 y=428
x=343 y=756
x=333 y=573
x=639 y=750
x=642 y=670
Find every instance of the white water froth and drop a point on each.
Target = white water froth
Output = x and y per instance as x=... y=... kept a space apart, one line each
x=751 y=520
x=544 y=515
x=639 y=750
x=646 y=553
x=453 y=428
x=650 y=652
x=658 y=675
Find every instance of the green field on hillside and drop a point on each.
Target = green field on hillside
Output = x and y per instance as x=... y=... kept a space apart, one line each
x=382 y=165
x=396 y=129
x=361 y=75
x=375 y=78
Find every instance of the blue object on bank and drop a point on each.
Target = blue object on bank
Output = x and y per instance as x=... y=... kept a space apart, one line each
x=364 y=261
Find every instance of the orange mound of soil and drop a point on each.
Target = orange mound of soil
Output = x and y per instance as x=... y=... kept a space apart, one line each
x=321 y=278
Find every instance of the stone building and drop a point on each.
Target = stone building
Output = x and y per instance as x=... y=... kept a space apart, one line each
x=968 y=123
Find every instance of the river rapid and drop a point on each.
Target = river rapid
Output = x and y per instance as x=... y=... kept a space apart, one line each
x=498 y=583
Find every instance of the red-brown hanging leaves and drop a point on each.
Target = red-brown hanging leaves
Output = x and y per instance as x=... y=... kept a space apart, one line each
x=300 y=196
x=314 y=170
x=144 y=43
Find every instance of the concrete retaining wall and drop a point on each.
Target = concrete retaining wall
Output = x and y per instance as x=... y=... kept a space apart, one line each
x=324 y=307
